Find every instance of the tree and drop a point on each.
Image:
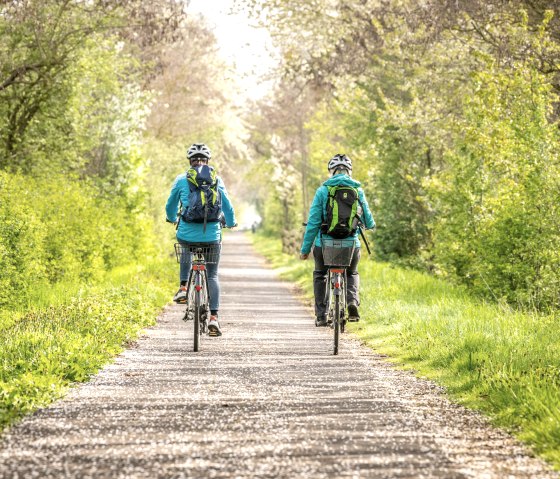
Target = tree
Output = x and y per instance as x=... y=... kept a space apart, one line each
x=42 y=40
x=455 y=181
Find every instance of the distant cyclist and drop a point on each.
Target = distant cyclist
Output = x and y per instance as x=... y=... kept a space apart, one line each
x=319 y=223
x=195 y=229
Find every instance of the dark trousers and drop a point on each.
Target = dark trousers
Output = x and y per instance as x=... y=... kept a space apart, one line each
x=320 y=276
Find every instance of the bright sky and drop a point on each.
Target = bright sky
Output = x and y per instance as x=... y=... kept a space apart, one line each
x=244 y=45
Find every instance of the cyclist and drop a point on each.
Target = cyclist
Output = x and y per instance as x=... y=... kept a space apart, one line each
x=199 y=154
x=340 y=170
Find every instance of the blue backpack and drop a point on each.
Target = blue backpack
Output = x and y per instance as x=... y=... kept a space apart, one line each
x=205 y=200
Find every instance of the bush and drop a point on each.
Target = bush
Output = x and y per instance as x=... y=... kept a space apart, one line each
x=54 y=229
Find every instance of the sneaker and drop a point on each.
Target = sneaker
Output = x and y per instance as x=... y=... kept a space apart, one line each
x=320 y=321
x=214 y=327
x=353 y=314
x=181 y=295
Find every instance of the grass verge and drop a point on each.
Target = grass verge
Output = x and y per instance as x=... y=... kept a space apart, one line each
x=489 y=357
x=68 y=333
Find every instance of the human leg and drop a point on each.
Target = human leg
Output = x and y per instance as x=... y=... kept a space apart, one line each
x=184 y=270
x=353 y=286
x=320 y=287
x=213 y=287
x=213 y=297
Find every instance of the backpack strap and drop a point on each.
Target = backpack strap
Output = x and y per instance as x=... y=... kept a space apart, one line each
x=191 y=177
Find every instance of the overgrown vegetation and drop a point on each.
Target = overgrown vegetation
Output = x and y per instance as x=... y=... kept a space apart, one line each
x=450 y=112
x=449 y=109
x=68 y=337
x=487 y=356
x=93 y=128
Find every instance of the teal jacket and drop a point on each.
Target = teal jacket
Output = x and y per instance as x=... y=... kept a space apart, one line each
x=192 y=232
x=318 y=212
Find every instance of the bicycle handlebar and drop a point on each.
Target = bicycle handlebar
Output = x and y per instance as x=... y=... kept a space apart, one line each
x=223 y=225
x=360 y=225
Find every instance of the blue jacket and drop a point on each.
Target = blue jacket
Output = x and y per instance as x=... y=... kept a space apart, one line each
x=192 y=232
x=318 y=211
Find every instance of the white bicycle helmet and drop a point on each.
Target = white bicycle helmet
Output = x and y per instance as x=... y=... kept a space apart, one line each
x=339 y=161
x=198 y=149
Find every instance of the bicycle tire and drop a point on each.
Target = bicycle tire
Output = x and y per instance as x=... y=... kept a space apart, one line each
x=342 y=308
x=204 y=303
x=329 y=301
x=196 y=329
x=336 y=322
x=189 y=313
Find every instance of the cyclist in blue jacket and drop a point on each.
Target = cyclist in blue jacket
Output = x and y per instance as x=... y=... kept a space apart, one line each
x=211 y=233
x=340 y=169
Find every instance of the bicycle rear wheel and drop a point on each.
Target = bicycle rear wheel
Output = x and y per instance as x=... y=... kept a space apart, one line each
x=204 y=304
x=336 y=322
x=197 y=310
x=342 y=304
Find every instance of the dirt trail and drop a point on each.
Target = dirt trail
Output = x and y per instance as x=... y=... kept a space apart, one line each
x=265 y=400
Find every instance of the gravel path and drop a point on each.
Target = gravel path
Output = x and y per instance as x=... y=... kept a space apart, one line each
x=265 y=400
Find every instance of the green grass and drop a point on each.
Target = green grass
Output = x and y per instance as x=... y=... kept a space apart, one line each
x=70 y=331
x=489 y=357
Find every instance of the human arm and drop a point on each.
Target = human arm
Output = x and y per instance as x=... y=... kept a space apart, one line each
x=227 y=207
x=367 y=217
x=172 y=205
x=314 y=221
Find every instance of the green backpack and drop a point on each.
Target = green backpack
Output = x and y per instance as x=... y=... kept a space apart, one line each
x=343 y=212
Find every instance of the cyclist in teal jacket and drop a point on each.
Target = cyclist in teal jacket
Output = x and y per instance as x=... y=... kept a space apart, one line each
x=340 y=169
x=211 y=233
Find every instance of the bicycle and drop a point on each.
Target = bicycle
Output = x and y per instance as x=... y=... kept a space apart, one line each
x=337 y=256
x=198 y=301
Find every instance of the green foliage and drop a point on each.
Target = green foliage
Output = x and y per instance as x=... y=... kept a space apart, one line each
x=56 y=230
x=106 y=114
x=451 y=118
x=22 y=237
x=92 y=124
x=499 y=225
x=54 y=54
x=80 y=186
x=44 y=350
x=42 y=39
x=489 y=357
